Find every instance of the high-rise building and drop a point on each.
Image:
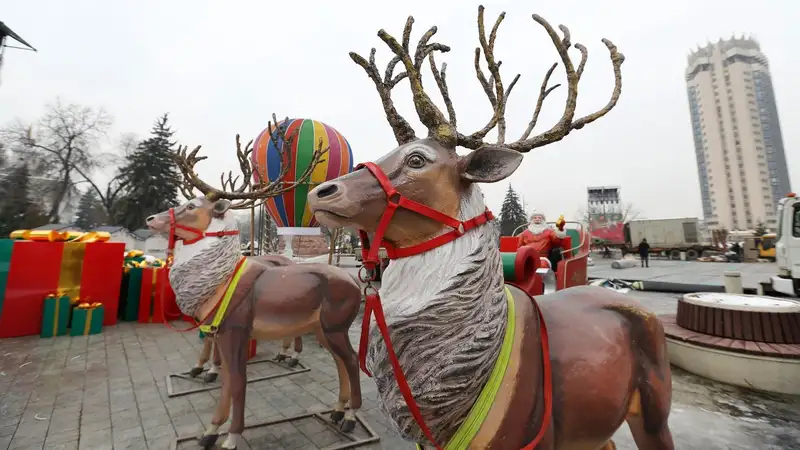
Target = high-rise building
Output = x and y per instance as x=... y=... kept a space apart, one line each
x=741 y=162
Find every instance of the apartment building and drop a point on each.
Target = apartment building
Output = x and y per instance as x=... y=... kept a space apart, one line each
x=741 y=162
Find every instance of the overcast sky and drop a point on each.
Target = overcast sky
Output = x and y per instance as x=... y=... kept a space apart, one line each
x=221 y=68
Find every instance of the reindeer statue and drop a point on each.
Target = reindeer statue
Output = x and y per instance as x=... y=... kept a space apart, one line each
x=465 y=360
x=238 y=298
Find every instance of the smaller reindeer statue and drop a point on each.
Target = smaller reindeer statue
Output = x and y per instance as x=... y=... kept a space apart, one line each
x=461 y=360
x=240 y=298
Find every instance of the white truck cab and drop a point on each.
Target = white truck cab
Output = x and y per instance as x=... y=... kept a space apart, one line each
x=787 y=248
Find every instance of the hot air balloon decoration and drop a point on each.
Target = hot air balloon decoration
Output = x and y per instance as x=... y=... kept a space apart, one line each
x=290 y=210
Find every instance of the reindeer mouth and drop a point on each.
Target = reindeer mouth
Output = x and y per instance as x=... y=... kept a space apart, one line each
x=332 y=214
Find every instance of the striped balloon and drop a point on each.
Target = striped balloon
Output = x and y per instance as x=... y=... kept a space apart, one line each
x=291 y=209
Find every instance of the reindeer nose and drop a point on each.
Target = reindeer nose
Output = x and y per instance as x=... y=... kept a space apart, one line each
x=327 y=190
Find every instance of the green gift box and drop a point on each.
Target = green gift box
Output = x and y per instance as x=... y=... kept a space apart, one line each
x=55 y=316
x=87 y=319
x=130 y=299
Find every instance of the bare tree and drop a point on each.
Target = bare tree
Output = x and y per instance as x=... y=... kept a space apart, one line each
x=627 y=212
x=64 y=147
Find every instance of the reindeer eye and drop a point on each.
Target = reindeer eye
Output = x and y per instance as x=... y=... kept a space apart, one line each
x=190 y=206
x=416 y=161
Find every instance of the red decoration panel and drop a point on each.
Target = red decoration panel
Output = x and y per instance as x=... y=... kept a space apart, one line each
x=33 y=274
x=165 y=304
x=102 y=276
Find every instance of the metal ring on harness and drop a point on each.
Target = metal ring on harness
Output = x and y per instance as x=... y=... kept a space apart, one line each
x=366 y=275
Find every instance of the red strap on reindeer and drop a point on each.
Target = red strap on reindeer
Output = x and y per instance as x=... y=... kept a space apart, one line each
x=396 y=200
x=199 y=234
x=374 y=307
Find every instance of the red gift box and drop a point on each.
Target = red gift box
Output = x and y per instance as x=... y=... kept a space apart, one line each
x=38 y=269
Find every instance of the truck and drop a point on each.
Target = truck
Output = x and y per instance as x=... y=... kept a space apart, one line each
x=787 y=250
x=669 y=236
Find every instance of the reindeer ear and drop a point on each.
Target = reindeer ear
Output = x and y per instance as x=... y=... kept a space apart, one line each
x=220 y=206
x=489 y=164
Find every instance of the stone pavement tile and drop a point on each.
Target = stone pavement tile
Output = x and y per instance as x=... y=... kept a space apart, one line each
x=96 y=440
x=127 y=419
x=188 y=424
x=324 y=438
x=132 y=438
x=73 y=445
x=63 y=437
x=7 y=431
x=38 y=446
x=4 y=442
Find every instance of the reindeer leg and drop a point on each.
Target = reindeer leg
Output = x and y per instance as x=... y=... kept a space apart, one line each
x=284 y=351
x=234 y=353
x=211 y=375
x=294 y=357
x=221 y=413
x=338 y=412
x=347 y=359
x=205 y=354
x=647 y=418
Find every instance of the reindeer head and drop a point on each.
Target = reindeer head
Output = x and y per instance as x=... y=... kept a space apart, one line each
x=196 y=214
x=429 y=171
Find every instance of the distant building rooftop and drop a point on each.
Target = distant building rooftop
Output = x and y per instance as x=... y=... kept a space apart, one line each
x=143 y=233
x=109 y=229
x=58 y=227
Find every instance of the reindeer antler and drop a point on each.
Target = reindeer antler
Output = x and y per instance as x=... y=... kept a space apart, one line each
x=247 y=195
x=445 y=131
x=428 y=112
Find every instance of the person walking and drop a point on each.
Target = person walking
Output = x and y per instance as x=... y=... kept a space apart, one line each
x=644 y=253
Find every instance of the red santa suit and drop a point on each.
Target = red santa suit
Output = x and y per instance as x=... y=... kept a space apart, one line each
x=542 y=242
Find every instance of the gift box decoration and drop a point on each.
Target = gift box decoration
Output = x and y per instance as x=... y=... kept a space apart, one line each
x=6 y=247
x=87 y=319
x=36 y=268
x=55 y=315
x=148 y=296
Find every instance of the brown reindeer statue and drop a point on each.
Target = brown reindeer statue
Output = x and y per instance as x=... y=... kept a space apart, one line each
x=460 y=359
x=240 y=298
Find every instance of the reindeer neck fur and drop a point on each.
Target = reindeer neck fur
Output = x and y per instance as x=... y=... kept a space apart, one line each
x=200 y=268
x=447 y=312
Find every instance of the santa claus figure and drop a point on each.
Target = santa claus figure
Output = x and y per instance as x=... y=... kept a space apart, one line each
x=546 y=240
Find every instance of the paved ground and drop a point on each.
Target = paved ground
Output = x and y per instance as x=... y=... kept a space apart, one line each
x=686 y=271
x=109 y=391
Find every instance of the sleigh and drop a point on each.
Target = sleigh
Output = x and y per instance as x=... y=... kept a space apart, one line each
x=531 y=272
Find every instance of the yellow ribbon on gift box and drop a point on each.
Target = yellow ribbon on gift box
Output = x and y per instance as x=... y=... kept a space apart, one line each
x=89 y=307
x=61 y=236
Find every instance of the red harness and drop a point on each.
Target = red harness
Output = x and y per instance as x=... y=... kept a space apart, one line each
x=373 y=302
x=199 y=235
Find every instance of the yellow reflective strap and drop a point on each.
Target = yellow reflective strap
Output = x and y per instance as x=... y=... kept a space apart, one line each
x=477 y=415
x=226 y=300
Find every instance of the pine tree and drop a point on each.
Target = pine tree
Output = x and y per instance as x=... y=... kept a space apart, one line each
x=90 y=212
x=17 y=211
x=512 y=213
x=152 y=178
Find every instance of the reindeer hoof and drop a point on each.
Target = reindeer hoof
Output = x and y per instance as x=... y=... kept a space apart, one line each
x=280 y=357
x=292 y=362
x=337 y=416
x=195 y=371
x=208 y=441
x=210 y=378
x=348 y=425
